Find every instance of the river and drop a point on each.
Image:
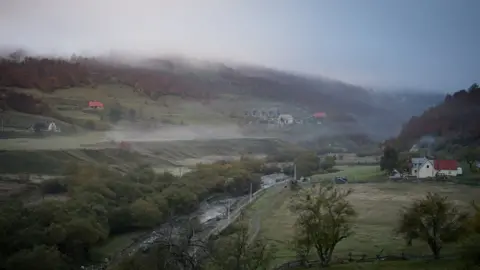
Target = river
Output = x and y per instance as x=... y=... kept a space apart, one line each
x=209 y=214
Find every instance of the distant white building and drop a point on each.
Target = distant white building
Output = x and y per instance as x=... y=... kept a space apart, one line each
x=285 y=119
x=52 y=127
x=414 y=148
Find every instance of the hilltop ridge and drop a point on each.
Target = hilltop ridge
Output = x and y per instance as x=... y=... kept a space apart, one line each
x=454 y=120
x=156 y=79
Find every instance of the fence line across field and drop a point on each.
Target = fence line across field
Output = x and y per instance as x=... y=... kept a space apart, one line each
x=363 y=259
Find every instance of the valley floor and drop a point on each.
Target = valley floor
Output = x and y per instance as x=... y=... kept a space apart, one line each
x=377 y=205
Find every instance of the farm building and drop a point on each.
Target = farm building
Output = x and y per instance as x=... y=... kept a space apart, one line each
x=95 y=105
x=319 y=115
x=42 y=127
x=423 y=168
x=447 y=167
x=285 y=119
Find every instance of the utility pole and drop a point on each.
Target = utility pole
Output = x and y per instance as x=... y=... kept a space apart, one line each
x=193 y=235
x=228 y=210
x=294 y=171
x=250 y=200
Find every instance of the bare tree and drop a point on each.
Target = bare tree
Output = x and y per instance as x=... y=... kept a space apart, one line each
x=174 y=248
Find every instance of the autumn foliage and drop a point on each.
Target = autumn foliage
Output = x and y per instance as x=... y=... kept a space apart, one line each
x=49 y=75
x=52 y=74
x=44 y=74
x=25 y=103
x=456 y=117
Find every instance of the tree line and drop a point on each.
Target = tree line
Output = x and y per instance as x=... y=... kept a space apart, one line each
x=307 y=163
x=49 y=74
x=92 y=204
x=455 y=119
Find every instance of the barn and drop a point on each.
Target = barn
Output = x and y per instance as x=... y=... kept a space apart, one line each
x=319 y=115
x=95 y=105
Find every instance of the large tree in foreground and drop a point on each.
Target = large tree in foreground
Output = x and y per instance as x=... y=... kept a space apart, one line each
x=324 y=218
x=434 y=220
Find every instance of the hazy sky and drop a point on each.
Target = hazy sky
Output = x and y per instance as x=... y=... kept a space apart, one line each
x=428 y=44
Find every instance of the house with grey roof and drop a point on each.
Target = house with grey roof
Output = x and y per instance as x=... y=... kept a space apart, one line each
x=416 y=164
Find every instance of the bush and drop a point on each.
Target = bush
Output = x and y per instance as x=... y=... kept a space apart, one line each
x=53 y=186
x=470 y=251
x=89 y=124
x=115 y=115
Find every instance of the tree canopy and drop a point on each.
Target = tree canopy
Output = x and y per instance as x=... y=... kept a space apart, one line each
x=434 y=220
x=324 y=218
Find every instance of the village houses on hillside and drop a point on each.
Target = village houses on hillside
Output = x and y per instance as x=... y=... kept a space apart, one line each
x=423 y=167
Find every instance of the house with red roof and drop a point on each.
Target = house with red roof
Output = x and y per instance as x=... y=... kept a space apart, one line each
x=319 y=115
x=95 y=104
x=423 y=167
x=447 y=167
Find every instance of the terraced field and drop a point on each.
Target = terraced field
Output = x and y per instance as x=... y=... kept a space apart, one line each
x=159 y=154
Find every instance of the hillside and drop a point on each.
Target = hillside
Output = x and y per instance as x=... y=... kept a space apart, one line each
x=454 y=120
x=179 y=91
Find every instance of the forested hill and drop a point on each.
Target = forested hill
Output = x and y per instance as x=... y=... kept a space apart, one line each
x=376 y=113
x=204 y=81
x=456 y=120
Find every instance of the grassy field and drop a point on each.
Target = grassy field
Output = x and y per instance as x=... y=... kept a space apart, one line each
x=72 y=103
x=81 y=140
x=353 y=173
x=377 y=205
x=352 y=158
x=48 y=155
x=399 y=265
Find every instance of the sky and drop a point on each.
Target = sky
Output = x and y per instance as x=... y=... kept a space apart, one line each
x=383 y=44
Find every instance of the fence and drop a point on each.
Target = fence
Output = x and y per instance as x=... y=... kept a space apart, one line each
x=237 y=212
x=360 y=259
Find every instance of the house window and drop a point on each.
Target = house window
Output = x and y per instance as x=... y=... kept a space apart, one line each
x=428 y=166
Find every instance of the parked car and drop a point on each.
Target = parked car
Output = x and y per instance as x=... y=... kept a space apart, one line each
x=340 y=180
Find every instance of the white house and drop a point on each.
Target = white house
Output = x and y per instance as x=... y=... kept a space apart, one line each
x=52 y=127
x=285 y=119
x=416 y=164
x=423 y=168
